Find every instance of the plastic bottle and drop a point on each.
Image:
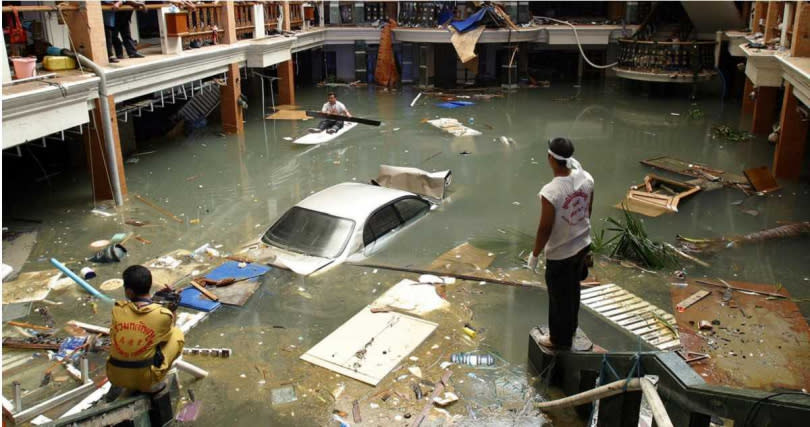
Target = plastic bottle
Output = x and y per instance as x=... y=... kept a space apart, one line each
x=472 y=359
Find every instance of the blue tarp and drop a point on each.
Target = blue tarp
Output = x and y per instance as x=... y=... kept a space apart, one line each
x=471 y=22
x=190 y=297
x=231 y=269
x=454 y=104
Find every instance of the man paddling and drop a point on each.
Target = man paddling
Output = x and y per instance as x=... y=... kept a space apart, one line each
x=333 y=106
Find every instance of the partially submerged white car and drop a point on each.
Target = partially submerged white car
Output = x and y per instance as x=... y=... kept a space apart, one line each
x=348 y=221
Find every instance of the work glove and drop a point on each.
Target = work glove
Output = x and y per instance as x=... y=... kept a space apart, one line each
x=531 y=264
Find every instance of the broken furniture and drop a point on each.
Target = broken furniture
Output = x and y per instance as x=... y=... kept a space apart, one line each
x=704 y=173
x=657 y=196
x=762 y=180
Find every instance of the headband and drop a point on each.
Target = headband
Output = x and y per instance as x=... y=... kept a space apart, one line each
x=570 y=162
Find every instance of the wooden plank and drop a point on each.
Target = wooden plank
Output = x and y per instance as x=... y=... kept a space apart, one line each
x=204 y=291
x=788 y=158
x=693 y=299
x=670 y=345
x=761 y=179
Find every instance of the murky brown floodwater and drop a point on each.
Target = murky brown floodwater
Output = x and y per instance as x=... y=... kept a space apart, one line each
x=243 y=183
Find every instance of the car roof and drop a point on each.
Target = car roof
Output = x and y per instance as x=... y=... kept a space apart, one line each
x=352 y=200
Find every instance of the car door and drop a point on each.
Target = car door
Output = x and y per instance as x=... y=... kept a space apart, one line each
x=386 y=222
x=378 y=228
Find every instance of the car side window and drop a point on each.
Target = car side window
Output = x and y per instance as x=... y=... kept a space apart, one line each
x=380 y=223
x=411 y=208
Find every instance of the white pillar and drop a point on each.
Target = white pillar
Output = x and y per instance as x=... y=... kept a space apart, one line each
x=321 y=18
x=258 y=21
x=6 y=69
x=133 y=27
x=168 y=45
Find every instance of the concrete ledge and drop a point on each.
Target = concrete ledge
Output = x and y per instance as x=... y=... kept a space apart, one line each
x=663 y=77
x=348 y=35
x=172 y=70
x=309 y=39
x=735 y=39
x=797 y=72
x=269 y=51
x=53 y=110
x=762 y=67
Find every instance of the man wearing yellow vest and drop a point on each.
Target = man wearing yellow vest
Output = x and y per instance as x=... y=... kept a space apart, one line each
x=144 y=341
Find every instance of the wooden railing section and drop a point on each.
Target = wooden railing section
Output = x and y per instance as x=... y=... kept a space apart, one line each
x=296 y=15
x=243 y=12
x=271 y=14
x=203 y=25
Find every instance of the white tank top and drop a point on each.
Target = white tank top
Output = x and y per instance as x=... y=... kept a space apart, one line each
x=571 y=197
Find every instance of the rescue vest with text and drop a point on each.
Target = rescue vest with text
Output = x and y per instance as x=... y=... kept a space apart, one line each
x=136 y=331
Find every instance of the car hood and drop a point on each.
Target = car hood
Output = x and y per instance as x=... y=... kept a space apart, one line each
x=296 y=262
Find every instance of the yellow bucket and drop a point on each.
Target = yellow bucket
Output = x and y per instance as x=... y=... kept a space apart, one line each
x=58 y=63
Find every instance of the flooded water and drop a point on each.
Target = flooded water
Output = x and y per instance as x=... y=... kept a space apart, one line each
x=238 y=185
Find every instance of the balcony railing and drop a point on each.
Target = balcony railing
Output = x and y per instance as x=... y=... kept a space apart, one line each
x=271 y=14
x=666 y=57
x=243 y=13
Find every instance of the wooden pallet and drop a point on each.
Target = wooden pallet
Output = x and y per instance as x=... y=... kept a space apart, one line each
x=632 y=314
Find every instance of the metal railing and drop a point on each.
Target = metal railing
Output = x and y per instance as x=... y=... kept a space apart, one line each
x=666 y=57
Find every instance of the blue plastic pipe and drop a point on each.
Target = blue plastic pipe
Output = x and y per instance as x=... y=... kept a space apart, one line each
x=93 y=291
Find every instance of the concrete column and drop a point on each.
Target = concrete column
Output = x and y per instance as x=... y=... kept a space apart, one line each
x=227 y=18
x=764 y=110
x=427 y=71
x=258 y=21
x=286 y=84
x=97 y=154
x=232 y=118
x=168 y=45
x=790 y=150
x=6 y=69
x=86 y=27
x=286 y=14
x=321 y=17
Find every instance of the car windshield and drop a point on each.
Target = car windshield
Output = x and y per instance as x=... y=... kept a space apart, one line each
x=310 y=232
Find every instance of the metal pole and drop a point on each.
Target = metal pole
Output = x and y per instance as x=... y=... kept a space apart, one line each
x=106 y=125
x=17 y=396
x=84 y=365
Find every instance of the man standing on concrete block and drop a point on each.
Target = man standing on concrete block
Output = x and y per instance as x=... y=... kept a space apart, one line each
x=564 y=235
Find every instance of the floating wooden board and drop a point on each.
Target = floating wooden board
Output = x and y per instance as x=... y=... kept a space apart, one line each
x=168 y=276
x=289 y=115
x=453 y=127
x=632 y=314
x=31 y=286
x=693 y=169
x=761 y=179
x=369 y=345
x=463 y=258
x=757 y=342
x=237 y=293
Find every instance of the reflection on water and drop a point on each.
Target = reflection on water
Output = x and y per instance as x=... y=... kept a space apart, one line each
x=238 y=185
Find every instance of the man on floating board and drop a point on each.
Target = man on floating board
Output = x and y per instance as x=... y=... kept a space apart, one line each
x=333 y=106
